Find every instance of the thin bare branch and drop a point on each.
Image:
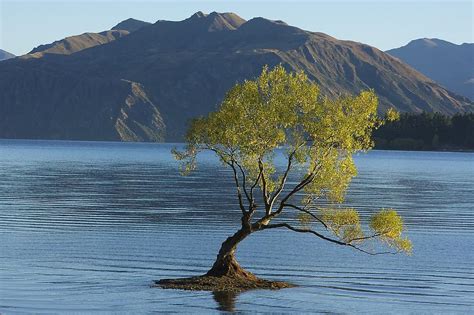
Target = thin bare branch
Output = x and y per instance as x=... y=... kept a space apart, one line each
x=244 y=181
x=284 y=178
x=306 y=181
x=229 y=159
x=264 y=187
x=255 y=184
x=363 y=238
x=307 y=212
x=239 y=193
x=286 y=225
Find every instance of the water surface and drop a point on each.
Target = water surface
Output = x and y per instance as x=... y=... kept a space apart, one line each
x=87 y=226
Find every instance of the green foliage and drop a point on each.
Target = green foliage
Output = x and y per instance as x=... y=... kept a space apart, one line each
x=319 y=136
x=304 y=219
x=281 y=109
x=389 y=226
x=387 y=223
x=334 y=176
x=392 y=115
x=344 y=223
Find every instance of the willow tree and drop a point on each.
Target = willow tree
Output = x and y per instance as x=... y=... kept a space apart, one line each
x=282 y=113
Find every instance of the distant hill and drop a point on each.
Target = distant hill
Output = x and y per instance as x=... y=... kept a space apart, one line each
x=147 y=85
x=73 y=44
x=4 y=55
x=76 y=43
x=130 y=25
x=448 y=64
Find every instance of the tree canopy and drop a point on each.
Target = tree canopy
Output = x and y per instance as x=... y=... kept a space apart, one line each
x=282 y=111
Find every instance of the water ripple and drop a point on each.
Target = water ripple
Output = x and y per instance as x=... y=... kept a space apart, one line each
x=90 y=225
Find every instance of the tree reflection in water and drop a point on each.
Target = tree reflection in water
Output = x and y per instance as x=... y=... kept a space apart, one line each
x=225 y=300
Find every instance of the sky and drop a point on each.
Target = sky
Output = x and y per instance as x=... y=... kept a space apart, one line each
x=385 y=24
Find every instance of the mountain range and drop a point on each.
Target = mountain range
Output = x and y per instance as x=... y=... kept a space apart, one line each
x=449 y=64
x=144 y=82
x=4 y=55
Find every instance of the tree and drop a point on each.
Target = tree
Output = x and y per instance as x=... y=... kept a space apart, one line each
x=427 y=131
x=281 y=110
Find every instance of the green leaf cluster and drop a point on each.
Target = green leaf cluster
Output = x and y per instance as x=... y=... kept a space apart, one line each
x=344 y=223
x=388 y=224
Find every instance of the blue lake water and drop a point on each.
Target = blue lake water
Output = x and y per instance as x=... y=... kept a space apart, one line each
x=86 y=227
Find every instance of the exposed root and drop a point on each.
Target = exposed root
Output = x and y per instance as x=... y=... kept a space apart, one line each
x=229 y=267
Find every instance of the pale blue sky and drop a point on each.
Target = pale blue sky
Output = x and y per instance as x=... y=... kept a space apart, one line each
x=384 y=24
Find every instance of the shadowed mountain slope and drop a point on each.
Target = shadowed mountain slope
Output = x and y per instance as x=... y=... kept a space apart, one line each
x=183 y=70
x=73 y=44
x=4 y=55
x=448 y=64
x=76 y=43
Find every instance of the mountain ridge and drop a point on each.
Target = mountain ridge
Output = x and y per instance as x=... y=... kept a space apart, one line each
x=184 y=68
x=130 y=25
x=76 y=43
x=449 y=64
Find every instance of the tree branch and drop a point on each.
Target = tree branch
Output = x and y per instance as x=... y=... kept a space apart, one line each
x=264 y=187
x=268 y=215
x=244 y=180
x=239 y=193
x=255 y=184
x=307 y=212
x=307 y=180
x=363 y=238
x=283 y=179
x=338 y=242
x=224 y=156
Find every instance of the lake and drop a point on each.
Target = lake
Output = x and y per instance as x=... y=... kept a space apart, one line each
x=87 y=227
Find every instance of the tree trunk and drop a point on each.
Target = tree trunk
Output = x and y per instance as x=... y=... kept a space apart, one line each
x=226 y=264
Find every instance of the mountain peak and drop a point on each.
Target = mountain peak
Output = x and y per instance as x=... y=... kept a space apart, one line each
x=429 y=43
x=446 y=63
x=276 y=29
x=216 y=21
x=263 y=22
x=130 y=25
x=198 y=15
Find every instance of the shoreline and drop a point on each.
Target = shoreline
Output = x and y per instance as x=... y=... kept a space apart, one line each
x=116 y=142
